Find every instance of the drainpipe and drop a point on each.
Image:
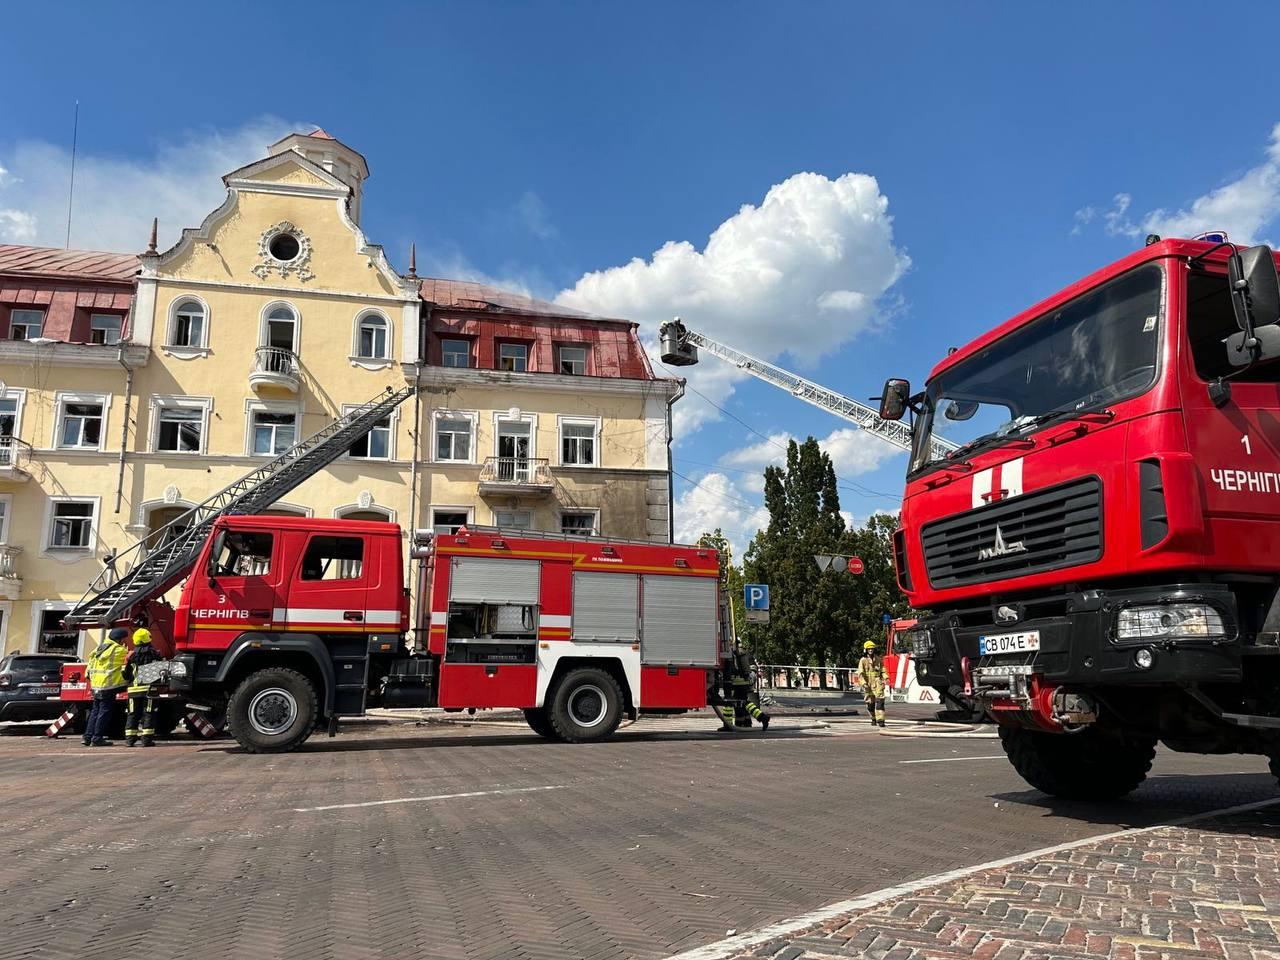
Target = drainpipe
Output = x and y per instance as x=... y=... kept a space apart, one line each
x=423 y=324
x=671 y=499
x=124 y=424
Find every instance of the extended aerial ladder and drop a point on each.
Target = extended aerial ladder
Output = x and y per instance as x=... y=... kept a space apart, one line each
x=679 y=346
x=164 y=557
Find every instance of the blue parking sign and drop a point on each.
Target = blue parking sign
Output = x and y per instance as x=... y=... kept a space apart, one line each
x=756 y=596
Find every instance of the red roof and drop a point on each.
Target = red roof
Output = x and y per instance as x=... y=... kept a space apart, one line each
x=67 y=264
x=320 y=134
x=468 y=295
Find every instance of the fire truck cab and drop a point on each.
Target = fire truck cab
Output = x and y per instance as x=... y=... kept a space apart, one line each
x=1097 y=552
x=294 y=622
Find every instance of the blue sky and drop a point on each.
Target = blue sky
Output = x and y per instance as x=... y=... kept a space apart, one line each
x=534 y=144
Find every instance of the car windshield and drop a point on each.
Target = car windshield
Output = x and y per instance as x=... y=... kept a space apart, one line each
x=1098 y=348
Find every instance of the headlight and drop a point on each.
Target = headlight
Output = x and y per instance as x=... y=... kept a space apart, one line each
x=177 y=668
x=1170 y=621
x=918 y=643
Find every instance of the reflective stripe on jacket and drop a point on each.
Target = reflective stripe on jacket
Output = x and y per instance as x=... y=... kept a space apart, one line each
x=871 y=672
x=106 y=666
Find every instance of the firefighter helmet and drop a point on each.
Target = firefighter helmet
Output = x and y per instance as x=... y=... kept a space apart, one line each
x=869 y=645
x=141 y=636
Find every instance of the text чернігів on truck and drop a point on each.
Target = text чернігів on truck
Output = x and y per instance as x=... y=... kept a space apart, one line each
x=293 y=623
x=1100 y=557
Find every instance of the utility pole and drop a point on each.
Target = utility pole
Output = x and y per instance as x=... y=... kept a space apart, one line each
x=71 y=190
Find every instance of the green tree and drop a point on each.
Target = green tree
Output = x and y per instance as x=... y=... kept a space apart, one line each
x=730 y=574
x=817 y=618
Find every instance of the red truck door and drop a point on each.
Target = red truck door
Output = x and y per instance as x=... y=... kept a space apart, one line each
x=238 y=591
x=328 y=582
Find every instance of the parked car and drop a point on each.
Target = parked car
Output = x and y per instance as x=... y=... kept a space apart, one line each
x=27 y=681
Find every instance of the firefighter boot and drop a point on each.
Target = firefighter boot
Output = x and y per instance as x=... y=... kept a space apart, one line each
x=151 y=741
x=130 y=741
x=764 y=721
x=726 y=720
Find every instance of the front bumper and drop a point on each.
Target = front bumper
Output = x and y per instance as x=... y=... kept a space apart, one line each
x=18 y=709
x=1078 y=643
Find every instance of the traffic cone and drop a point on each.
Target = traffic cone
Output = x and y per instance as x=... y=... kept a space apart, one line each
x=55 y=728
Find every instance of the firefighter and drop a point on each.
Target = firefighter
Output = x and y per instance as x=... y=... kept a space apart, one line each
x=740 y=688
x=871 y=673
x=141 y=724
x=106 y=679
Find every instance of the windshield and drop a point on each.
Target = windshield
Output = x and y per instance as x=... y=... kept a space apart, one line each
x=1097 y=349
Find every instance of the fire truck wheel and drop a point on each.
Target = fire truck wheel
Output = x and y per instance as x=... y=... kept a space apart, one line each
x=586 y=705
x=272 y=711
x=540 y=724
x=1095 y=764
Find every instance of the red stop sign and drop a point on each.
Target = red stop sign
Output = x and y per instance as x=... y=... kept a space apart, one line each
x=855 y=565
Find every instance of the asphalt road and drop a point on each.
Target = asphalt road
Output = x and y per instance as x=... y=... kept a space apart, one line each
x=483 y=841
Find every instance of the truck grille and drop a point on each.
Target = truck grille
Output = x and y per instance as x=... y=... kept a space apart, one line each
x=1046 y=530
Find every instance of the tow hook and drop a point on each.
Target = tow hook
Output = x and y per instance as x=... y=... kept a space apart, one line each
x=1074 y=710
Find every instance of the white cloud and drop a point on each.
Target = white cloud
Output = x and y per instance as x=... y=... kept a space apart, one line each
x=1244 y=207
x=178 y=181
x=799 y=274
x=717 y=502
x=852 y=452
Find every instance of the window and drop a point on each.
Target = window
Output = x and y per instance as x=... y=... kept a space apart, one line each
x=179 y=429
x=241 y=553
x=25 y=324
x=578 y=444
x=4 y=518
x=333 y=558
x=578 y=524
x=81 y=426
x=53 y=638
x=72 y=527
x=374 y=445
x=1210 y=320
x=281 y=328
x=513 y=519
x=448 y=521
x=573 y=361
x=513 y=357
x=8 y=416
x=187 y=329
x=104 y=328
x=455 y=353
x=371 y=338
x=273 y=433
x=284 y=247
x=453 y=439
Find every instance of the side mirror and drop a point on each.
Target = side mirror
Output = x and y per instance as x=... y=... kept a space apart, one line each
x=960 y=409
x=893 y=401
x=1255 y=288
x=1255 y=298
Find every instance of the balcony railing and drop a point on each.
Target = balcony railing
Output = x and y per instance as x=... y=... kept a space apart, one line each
x=14 y=455
x=515 y=474
x=274 y=367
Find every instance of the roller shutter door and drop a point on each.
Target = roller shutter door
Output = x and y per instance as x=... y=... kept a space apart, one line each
x=679 y=615
x=488 y=580
x=606 y=606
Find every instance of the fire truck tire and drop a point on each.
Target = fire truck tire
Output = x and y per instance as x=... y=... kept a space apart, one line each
x=586 y=705
x=272 y=711
x=1091 y=765
x=540 y=723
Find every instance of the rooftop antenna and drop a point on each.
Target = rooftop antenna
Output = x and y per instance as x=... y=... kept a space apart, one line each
x=71 y=190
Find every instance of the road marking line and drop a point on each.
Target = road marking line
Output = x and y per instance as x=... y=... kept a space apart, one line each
x=952 y=759
x=722 y=949
x=439 y=796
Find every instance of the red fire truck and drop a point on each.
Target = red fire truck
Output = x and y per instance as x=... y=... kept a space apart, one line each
x=287 y=623
x=297 y=622
x=1097 y=556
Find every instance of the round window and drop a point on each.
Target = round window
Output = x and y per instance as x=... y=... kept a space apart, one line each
x=284 y=246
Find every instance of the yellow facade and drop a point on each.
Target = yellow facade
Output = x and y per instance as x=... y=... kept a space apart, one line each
x=195 y=374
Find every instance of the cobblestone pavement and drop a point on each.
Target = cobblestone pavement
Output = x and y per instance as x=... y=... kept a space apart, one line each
x=1208 y=890
x=483 y=841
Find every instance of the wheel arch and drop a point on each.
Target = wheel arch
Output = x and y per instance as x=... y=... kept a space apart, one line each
x=303 y=652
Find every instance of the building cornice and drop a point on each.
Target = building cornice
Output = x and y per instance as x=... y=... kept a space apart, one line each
x=551 y=382
x=286 y=292
x=60 y=354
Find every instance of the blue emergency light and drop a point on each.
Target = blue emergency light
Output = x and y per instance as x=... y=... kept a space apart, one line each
x=1213 y=236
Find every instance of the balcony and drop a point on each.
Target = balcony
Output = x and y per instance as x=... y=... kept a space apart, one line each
x=15 y=454
x=274 y=367
x=10 y=578
x=516 y=475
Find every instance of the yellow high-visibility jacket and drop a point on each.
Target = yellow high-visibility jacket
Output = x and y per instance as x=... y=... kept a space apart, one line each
x=871 y=671
x=106 y=666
